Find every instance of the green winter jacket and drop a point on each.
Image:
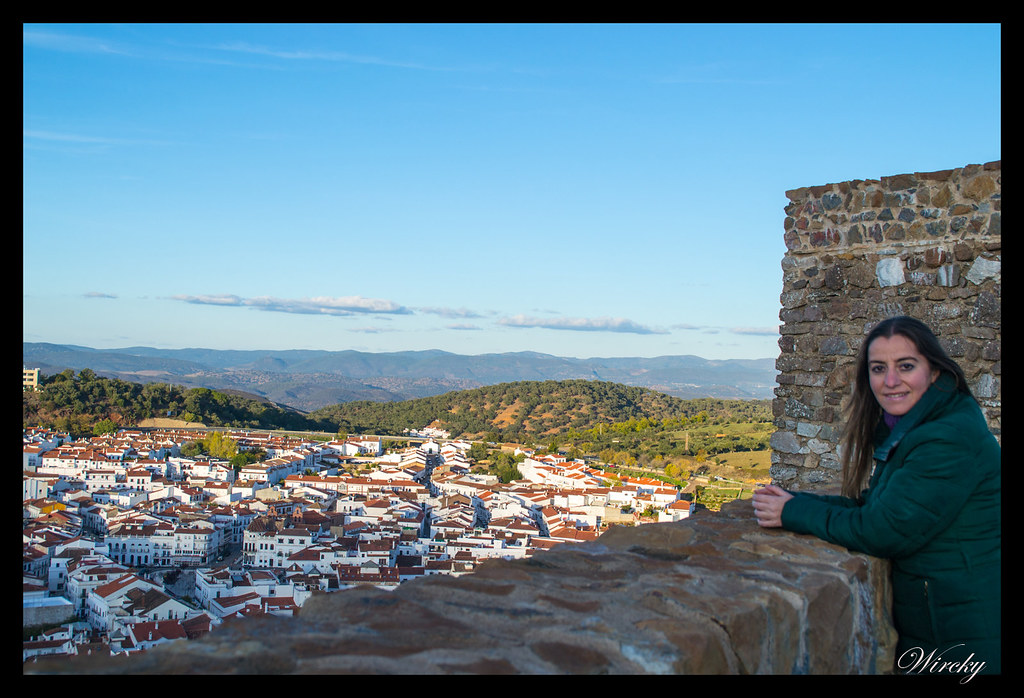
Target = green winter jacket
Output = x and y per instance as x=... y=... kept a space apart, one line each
x=932 y=506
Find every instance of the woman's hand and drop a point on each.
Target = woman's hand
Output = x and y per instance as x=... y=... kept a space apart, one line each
x=768 y=503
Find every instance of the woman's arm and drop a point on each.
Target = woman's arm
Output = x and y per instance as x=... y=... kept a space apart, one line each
x=769 y=502
x=917 y=502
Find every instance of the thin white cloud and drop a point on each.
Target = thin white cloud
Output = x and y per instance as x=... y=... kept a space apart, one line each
x=223 y=299
x=320 y=305
x=146 y=49
x=328 y=306
x=65 y=137
x=580 y=324
x=760 y=331
x=709 y=329
x=329 y=56
x=47 y=139
x=462 y=327
x=372 y=330
x=68 y=43
x=98 y=294
x=450 y=312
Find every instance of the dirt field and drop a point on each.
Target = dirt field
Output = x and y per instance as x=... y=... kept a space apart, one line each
x=164 y=423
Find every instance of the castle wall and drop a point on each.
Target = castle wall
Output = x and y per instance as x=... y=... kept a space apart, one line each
x=926 y=245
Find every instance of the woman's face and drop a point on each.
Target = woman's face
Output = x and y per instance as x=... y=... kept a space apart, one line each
x=898 y=374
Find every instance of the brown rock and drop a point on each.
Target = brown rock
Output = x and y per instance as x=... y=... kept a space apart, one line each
x=979 y=188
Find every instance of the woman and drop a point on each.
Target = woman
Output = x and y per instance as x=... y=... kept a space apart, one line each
x=932 y=503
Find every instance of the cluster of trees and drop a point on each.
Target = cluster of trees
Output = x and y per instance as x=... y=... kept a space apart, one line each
x=530 y=410
x=659 y=444
x=505 y=467
x=218 y=445
x=86 y=403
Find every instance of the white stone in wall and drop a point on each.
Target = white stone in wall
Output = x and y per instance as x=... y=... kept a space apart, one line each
x=986 y=387
x=983 y=269
x=818 y=446
x=889 y=272
x=830 y=461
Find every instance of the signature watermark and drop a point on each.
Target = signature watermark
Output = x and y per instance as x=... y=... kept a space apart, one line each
x=915 y=661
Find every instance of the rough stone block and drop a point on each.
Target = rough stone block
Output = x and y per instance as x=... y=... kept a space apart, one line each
x=889 y=272
x=983 y=269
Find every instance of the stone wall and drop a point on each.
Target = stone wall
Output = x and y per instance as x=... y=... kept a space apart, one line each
x=926 y=245
x=713 y=594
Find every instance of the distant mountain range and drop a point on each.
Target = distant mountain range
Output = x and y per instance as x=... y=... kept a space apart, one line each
x=309 y=379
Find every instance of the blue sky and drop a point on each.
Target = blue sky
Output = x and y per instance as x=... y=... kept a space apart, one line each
x=577 y=190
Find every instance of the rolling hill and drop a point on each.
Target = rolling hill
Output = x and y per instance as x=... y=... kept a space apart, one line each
x=308 y=380
x=532 y=409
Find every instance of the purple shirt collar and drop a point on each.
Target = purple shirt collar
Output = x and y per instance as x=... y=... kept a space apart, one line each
x=890 y=420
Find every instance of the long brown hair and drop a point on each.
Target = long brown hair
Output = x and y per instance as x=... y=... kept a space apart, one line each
x=863 y=411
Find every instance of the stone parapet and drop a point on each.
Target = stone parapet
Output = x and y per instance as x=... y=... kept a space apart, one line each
x=927 y=245
x=714 y=594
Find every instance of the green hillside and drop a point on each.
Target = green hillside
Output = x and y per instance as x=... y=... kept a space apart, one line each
x=534 y=410
x=591 y=416
x=86 y=403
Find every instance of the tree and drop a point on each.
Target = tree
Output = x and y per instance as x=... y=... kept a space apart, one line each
x=244 y=458
x=67 y=375
x=504 y=466
x=217 y=445
x=478 y=451
x=104 y=426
